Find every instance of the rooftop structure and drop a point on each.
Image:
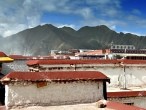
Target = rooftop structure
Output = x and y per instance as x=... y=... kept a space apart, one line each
x=125 y=74
x=4 y=58
x=54 y=76
x=129 y=47
x=60 y=61
x=54 y=88
x=89 y=106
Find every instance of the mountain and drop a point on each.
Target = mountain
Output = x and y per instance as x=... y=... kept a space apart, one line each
x=41 y=39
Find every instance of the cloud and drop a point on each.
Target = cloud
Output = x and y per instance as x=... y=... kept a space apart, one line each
x=7 y=30
x=17 y=15
x=66 y=25
x=135 y=33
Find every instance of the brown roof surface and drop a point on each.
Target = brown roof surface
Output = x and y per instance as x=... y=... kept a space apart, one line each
x=55 y=76
x=2 y=108
x=21 y=57
x=89 y=106
x=120 y=106
x=126 y=94
x=2 y=54
x=59 y=61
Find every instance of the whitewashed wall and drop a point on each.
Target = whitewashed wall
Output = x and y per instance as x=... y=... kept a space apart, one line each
x=138 y=101
x=134 y=74
x=53 y=93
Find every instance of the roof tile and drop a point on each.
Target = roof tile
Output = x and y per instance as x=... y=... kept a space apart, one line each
x=55 y=76
x=126 y=94
x=59 y=61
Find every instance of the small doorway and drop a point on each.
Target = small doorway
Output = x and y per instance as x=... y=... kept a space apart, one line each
x=2 y=94
x=2 y=88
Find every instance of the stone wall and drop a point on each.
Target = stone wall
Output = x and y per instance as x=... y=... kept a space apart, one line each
x=54 y=93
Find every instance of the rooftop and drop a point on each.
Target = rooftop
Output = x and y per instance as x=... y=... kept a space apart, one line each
x=2 y=54
x=59 y=61
x=21 y=57
x=55 y=76
x=121 y=94
x=4 y=58
x=88 y=106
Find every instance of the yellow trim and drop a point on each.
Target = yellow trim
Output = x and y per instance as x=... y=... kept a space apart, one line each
x=6 y=59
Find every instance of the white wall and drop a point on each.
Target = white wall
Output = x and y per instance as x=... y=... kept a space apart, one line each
x=53 y=93
x=134 y=74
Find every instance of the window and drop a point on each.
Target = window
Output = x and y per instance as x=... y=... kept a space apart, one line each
x=132 y=103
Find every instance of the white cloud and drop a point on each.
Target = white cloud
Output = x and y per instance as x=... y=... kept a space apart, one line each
x=136 y=11
x=66 y=25
x=17 y=15
x=7 y=30
x=135 y=33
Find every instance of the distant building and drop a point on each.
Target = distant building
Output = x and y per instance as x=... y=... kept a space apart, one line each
x=3 y=59
x=129 y=97
x=129 y=47
x=114 y=54
x=19 y=63
x=54 y=88
x=93 y=54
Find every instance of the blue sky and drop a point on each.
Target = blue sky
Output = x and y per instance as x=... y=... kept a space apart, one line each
x=128 y=16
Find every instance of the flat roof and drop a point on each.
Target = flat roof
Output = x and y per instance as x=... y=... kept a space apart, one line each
x=66 y=61
x=120 y=94
x=88 y=106
x=55 y=76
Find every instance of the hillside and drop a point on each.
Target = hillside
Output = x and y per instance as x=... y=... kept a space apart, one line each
x=41 y=39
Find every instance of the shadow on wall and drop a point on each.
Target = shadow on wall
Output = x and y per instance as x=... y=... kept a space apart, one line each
x=2 y=88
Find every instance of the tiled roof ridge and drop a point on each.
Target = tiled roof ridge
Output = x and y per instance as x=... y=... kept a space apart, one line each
x=130 y=93
x=107 y=61
x=2 y=54
x=55 y=76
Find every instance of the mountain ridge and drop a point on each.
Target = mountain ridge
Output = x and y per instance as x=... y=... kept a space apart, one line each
x=41 y=39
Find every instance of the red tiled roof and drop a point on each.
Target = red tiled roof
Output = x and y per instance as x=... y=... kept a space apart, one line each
x=55 y=76
x=59 y=61
x=18 y=57
x=2 y=54
x=126 y=94
x=21 y=57
x=2 y=108
x=120 y=106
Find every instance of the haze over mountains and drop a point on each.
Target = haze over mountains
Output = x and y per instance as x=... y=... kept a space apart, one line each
x=41 y=39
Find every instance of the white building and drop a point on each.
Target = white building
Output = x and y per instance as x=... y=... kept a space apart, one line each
x=119 y=70
x=128 y=75
x=132 y=47
x=131 y=97
x=54 y=88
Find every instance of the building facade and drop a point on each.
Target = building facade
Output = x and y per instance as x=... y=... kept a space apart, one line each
x=125 y=74
x=54 y=88
x=136 y=98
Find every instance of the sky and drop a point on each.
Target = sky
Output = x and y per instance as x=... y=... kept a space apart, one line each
x=128 y=16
